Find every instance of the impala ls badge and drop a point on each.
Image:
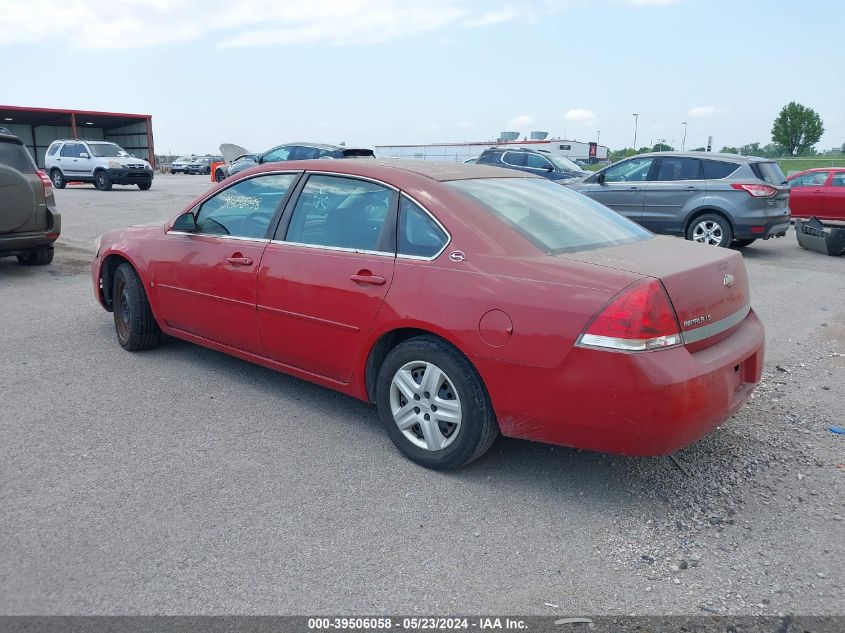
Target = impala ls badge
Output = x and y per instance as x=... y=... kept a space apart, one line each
x=729 y=280
x=704 y=318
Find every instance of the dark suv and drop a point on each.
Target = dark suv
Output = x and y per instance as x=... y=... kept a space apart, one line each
x=29 y=222
x=533 y=161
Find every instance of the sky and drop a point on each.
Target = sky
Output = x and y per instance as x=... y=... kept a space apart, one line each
x=259 y=73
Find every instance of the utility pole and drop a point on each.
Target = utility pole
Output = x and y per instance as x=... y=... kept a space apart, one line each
x=636 y=119
x=684 y=142
x=598 y=136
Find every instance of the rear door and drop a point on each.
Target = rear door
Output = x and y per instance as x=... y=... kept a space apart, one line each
x=22 y=204
x=325 y=276
x=675 y=181
x=807 y=192
x=834 y=198
x=624 y=186
x=68 y=160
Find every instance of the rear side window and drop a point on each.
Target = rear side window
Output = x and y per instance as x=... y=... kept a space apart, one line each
x=717 y=169
x=838 y=179
x=555 y=218
x=340 y=212
x=770 y=172
x=303 y=153
x=15 y=155
x=678 y=168
x=419 y=234
x=53 y=149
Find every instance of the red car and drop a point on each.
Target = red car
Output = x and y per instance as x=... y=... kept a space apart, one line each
x=818 y=192
x=463 y=300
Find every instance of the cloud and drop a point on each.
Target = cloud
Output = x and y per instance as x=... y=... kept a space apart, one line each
x=131 y=24
x=702 y=112
x=652 y=3
x=579 y=115
x=519 y=122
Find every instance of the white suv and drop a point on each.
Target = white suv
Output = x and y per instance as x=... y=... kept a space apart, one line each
x=101 y=162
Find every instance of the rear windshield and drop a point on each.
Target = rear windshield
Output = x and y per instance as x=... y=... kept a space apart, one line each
x=358 y=153
x=15 y=155
x=770 y=172
x=555 y=218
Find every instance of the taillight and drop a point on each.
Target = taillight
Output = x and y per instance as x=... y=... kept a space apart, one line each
x=638 y=319
x=755 y=190
x=48 y=186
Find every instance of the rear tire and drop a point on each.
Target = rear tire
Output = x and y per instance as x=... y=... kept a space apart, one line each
x=134 y=322
x=218 y=176
x=102 y=181
x=743 y=243
x=710 y=229
x=404 y=396
x=40 y=257
x=58 y=179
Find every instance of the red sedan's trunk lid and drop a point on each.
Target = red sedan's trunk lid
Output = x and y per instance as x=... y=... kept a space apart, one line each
x=707 y=285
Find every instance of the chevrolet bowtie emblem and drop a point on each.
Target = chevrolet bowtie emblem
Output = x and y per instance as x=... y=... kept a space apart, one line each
x=729 y=280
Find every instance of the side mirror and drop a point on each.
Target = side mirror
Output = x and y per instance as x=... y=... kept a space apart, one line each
x=186 y=222
x=600 y=177
x=259 y=160
x=550 y=168
x=83 y=155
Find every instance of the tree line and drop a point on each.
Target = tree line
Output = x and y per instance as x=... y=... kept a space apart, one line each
x=795 y=132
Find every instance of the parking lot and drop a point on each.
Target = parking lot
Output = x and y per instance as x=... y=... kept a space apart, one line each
x=183 y=480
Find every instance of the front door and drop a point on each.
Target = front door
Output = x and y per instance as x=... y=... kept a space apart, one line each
x=205 y=280
x=322 y=282
x=623 y=187
x=676 y=179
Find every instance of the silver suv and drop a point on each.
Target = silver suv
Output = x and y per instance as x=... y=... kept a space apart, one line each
x=101 y=162
x=721 y=199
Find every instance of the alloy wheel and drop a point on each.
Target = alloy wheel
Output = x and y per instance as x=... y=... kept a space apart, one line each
x=708 y=232
x=425 y=405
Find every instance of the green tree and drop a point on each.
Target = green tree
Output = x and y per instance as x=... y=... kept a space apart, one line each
x=729 y=150
x=750 y=149
x=699 y=149
x=797 y=128
x=773 y=150
x=662 y=147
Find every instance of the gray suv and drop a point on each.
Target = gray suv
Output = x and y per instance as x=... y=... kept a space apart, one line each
x=29 y=221
x=721 y=199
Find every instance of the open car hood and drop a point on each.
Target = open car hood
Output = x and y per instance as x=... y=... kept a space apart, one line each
x=231 y=151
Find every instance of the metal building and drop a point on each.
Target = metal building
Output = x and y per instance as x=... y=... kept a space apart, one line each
x=38 y=127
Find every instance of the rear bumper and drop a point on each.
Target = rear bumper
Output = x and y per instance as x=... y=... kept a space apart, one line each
x=640 y=404
x=130 y=176
x=19 y=243
x=763 y=229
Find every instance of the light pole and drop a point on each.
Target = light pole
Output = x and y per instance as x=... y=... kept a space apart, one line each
x=598 y=136
x=684 y=142
x=636 y=118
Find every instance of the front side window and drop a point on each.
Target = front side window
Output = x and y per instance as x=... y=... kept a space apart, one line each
x=70 y=150
x=303 y=153
x=419 y=234
x=555 y=218
x=277 y=155
x=536 y=162
x=813 y=179
x=340 y=212
x=564 y=163
x=246 y=208
x=635 y=170
x=678 y=168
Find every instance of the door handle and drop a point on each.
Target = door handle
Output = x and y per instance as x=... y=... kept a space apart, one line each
x=239 y=261
x=691 y=188
x=375 y=280
x=633 y=188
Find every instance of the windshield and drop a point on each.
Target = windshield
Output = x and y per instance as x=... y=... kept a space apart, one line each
x=563 y=163
x=555 y=218
x=182 y=159
x=107 y=150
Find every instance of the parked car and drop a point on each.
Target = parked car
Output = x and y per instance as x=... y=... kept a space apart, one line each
x=818 y=192
x=178 y=166
x=100 y=162
x=29 y=220
x=296 y=151
x=538 y=162
x=721 y=199
x=437 y=292
x=202 y=164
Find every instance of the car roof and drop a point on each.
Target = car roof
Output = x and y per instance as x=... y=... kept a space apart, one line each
x=739 y=158
x=392 y=169
x=812 y=169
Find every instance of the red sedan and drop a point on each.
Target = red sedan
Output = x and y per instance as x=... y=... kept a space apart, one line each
x=818 y=192
x=463 y=300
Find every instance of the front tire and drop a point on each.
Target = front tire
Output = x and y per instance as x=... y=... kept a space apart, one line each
x=102 y=181
x=218 y=176
x=58 y=179
x=134 y=322
x=710 y=229
x=144 y=186
x=433 y=404
x=40 y=257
